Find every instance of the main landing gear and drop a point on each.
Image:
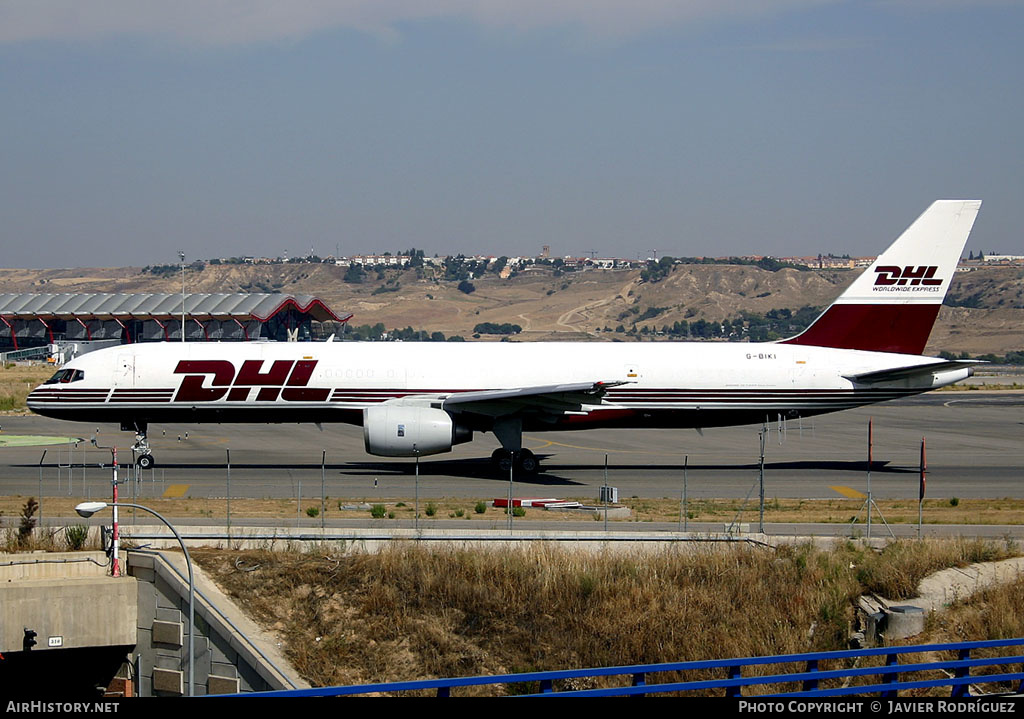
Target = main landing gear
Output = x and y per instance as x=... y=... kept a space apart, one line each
x=509 y=431
x=524 y=461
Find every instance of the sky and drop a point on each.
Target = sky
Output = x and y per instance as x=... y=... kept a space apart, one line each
x=131 y=129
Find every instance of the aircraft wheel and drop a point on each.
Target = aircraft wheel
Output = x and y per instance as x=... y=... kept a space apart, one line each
x=528 y=462
x=502 y=460
x=146 y=461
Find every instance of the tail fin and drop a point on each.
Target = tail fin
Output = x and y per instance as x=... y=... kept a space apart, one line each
x=893 y=305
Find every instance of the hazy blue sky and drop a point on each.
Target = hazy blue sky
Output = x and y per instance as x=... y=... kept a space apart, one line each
x=132 y=128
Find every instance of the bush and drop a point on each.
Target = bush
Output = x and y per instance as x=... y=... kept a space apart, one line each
x=431 y=509
x=480 y=507
x=76 y=536
x=378 y=511
x=459 y=512
x=354 y=274
x=312 y=511
x=28 y=521
x=493 y=328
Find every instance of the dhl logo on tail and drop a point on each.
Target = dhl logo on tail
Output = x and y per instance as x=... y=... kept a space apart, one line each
x=914 y=276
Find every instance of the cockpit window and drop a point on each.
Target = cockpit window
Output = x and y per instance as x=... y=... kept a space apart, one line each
x=65 y=376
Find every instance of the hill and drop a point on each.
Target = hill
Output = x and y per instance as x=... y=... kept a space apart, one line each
x=550 y=304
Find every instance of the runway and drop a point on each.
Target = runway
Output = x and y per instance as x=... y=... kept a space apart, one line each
x=974 y=449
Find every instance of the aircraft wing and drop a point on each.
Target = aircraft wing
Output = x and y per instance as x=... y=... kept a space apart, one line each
x=559 y=399
x=917 y=370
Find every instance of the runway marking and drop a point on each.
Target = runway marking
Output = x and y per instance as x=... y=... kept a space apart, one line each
x=31 y=440
x=552 y=443
x=175 y=490
x=847 y=492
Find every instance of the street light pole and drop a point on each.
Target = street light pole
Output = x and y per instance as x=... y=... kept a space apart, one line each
x=181 y=256
x=115 y=537
x=416 y=508
x=87 y=509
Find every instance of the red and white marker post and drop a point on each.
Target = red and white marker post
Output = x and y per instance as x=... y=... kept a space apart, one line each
x=115 y=537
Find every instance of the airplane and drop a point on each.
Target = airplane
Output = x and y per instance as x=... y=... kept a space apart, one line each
x=421 y=399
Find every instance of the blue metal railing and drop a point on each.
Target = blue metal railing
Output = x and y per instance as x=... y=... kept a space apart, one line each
x=954 y=673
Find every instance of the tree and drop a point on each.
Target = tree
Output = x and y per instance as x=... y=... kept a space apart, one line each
x=467 y=287
x=492 y=328
x=354 y=274
x=455 y=268
x=415 y=257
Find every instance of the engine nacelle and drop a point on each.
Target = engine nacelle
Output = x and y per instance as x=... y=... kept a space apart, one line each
x=404 y=431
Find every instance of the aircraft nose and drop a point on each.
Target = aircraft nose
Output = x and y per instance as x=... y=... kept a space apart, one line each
x=39 y=394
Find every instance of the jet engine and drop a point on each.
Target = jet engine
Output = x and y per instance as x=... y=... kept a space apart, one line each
x=409 y=431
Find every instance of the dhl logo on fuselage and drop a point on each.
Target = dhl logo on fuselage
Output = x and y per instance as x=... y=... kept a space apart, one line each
x=909 y=275
x=286 y=379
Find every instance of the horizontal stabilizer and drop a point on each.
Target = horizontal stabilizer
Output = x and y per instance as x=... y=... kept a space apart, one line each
x=918 y=370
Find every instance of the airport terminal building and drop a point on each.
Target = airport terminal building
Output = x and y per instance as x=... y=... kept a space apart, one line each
x=35 y=320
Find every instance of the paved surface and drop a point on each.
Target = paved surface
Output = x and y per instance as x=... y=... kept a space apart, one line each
x=975 y=448
x=942 y=588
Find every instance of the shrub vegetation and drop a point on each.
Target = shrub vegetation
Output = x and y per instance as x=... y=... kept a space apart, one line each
x=451 y=611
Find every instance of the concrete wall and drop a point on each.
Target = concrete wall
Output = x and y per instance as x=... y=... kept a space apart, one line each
x=66 y=599
x=224 y=661
x=100 y=623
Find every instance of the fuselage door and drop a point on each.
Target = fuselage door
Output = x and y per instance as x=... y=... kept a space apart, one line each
x=124 y=374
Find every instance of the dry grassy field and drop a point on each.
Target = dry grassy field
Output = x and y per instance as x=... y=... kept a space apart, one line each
x=414 y=612
x=16 y=381
x=824 y=511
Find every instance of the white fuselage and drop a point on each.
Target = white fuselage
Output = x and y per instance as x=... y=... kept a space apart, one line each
x=415 y=399
x=668 y=384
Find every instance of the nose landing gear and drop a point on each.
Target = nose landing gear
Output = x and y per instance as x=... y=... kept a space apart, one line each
x=144 y=455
